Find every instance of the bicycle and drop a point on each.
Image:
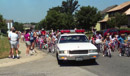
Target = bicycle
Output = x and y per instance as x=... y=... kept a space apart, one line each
x=98 y=45
x=127 y=49
x=108 y=51
x=101 y=47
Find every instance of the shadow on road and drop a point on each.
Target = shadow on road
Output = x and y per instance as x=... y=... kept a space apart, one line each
x=78 y=63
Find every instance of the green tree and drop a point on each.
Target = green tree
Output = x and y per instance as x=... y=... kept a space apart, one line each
x=111 y=23
x=87 y=17
x=52 y=19
x=57 y=20
x=18 y=26
x=3 y=26
x=60 y=17
x=69 y=6
x=118 y=20
x=41 y=24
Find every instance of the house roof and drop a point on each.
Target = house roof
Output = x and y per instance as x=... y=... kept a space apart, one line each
x=9 y=21
x=104 y=20
x=108 y=8
x=29 y=25
x=127 y=12
x=119 y=7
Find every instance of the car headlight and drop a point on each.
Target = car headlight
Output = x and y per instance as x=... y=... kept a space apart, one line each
x=63 y=52
x=66 y=52
x=92 y=51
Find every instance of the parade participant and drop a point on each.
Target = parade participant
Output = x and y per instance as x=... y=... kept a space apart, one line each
x=43 y=32
x=32 y=40
x=94 y=31
x=121 y=40
x=14 y=40
x=27 y=41
x=17 y=32
x=9 y=34
x=107 y=42
x=22 y=36
x=41 y=41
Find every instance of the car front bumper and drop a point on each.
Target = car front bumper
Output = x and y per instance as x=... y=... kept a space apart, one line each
x=78 y=57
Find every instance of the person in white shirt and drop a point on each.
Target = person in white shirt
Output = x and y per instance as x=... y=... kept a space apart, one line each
x=13 y=41
x=9 y=34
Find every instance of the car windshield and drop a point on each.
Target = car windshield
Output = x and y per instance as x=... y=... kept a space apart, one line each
x=73 y=39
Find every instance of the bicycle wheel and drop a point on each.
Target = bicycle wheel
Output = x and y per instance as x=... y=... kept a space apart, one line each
x=116 y=47
x=127 y=52
x=102 y=47
x=109 y=52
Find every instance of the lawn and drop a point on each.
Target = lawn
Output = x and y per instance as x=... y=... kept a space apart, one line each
x=4 y=47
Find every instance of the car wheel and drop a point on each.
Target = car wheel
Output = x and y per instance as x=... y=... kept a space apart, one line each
x=92 y=60
x=59 y=61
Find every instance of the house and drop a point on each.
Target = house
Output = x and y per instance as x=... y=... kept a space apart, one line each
x=100 y=24
x=28 y=26
x=123 y=8
x=9 y=24
x=128 y=14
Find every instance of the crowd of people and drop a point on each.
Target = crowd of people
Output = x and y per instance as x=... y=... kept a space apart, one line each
x=114 y=42
x=38 y=38
x=47 y=39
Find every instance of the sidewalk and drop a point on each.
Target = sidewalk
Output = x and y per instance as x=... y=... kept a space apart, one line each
x=9 y=61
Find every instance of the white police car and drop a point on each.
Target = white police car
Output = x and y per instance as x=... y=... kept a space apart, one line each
x=75 y=46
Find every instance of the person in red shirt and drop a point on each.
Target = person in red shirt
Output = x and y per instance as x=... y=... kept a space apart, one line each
x=43 y=32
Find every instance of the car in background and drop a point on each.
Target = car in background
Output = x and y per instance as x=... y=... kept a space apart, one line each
x=124 y=31
x=115 y=31
x=111 y=31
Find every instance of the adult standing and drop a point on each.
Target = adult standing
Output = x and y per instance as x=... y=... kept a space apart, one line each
x=13 y=40
x=22 y=36
x=35 y=36
x=9 y=35
x=27 y=41
x=17 y=32
x=93 y=31
x=32 y=40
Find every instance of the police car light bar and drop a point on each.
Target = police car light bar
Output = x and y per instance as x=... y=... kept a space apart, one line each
x=65 y=31
x=80 y=31
x=73 y=31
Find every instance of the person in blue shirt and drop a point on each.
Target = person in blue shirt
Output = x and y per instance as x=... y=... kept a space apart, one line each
x=121 y=44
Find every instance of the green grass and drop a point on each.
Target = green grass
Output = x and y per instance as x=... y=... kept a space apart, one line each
x=89 y=34
x=4 y=47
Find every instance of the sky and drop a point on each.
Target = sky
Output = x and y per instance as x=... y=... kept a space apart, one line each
x=26 y=11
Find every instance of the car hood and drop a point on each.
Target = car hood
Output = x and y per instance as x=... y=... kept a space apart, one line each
x=76 y=46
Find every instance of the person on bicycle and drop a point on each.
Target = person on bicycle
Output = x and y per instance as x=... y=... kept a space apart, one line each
x=107 y=43
x=121 y=44
x=113 y=42
x=128 y=38
x=94 y=39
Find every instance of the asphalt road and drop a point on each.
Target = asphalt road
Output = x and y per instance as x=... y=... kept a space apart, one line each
x=48 y=66
x=105 y=66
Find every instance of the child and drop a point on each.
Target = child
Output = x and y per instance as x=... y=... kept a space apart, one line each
x=41 y=41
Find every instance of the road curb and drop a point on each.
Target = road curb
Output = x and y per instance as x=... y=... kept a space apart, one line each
x=12 y=62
